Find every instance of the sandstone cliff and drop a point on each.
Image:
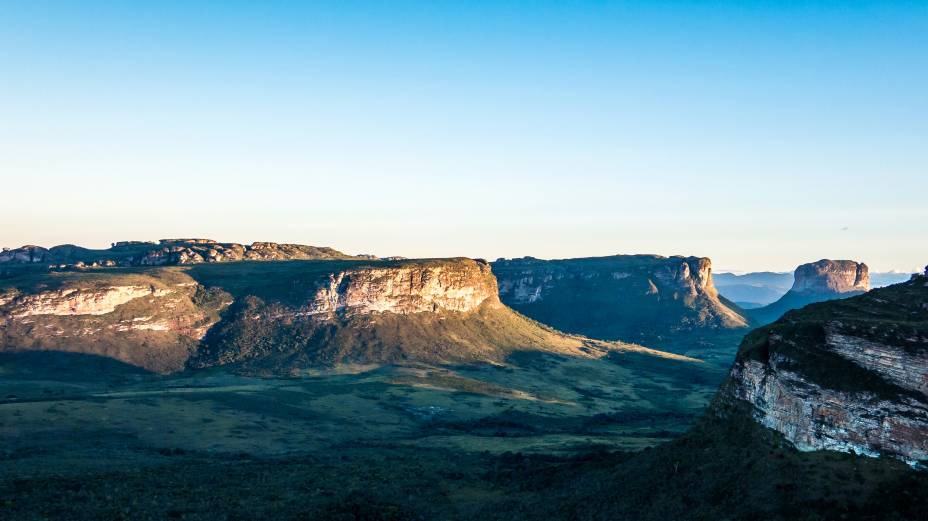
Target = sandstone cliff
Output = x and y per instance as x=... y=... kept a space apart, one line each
x=637 y=298
x=277 y=316
x=418 y=311
x=436 y=287
x=817 y=282
x=831 y=276
x=848 y=375
x=154 y=321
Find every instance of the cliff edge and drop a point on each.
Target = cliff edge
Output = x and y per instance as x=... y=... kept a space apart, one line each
x=848 y=375
x=645 y=299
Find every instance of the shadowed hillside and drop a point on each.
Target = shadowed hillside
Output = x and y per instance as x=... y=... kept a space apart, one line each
x=670 y=303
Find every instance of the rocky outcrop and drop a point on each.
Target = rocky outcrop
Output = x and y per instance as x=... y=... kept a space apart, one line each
x=196 y=251
x=165 y=252
x=76 y=301
x=831 y=276
x=25 y=254
x=463 y=287
x=817 y=282
x=153 y=321
x=638 y=298
x=848 y=375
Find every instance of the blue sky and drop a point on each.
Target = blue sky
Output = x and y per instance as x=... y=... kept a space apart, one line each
x=761 y=134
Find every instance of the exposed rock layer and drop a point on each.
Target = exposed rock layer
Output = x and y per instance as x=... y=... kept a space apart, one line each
x=848 y=375
x=817 y=282
x=154 y=321
x=277 y=316
x=637 y=298
x=831 y=276
x=408 y=289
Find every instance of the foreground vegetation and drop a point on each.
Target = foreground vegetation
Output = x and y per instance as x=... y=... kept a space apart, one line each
x=719 y=471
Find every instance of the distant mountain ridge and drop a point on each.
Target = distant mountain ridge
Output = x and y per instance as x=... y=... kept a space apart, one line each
x=751 y=290
x=166 y=252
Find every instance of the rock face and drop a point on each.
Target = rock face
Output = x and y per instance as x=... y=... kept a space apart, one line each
x=637 y=298
x=408 y=289
x=166 y=252
x=73 y=301
x=817 y=282
x=154 y=321
x=831 y=276
x=25 y=254
x=847 y=375
x=407 y=311
x=277 y=316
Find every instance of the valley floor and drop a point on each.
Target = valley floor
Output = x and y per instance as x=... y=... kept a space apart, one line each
x=537 y=403
x=541 y=437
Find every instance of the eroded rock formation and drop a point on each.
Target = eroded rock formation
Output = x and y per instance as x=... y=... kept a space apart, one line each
x=165 y=252
x=817 y=282
x=831 y=276
x=638 y=298
x=154 y=321
x=848 y=375
x=462 y=287
x=278 y=316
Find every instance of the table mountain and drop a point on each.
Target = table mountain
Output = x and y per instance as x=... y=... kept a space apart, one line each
x=648 y=299
x=817 y=282
x=278 y=316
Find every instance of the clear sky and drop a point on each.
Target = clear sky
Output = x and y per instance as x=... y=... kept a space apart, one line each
x=760 y=134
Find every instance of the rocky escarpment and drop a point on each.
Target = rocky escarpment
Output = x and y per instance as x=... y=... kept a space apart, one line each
x=637 y=298
x=277 y=316
x=164 y=252
x=420 y=311
x=415 y=288
x=847 y=375
x=817 y=282
x=154 y=321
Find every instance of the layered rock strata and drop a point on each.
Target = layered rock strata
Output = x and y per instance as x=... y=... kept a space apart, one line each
x=848 y=375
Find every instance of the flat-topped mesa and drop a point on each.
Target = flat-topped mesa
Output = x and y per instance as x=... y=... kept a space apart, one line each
x=279 y=317
x=849 y=375
x=831 y=276
x=461 y=285
x=817 y=282
x=646 y=299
